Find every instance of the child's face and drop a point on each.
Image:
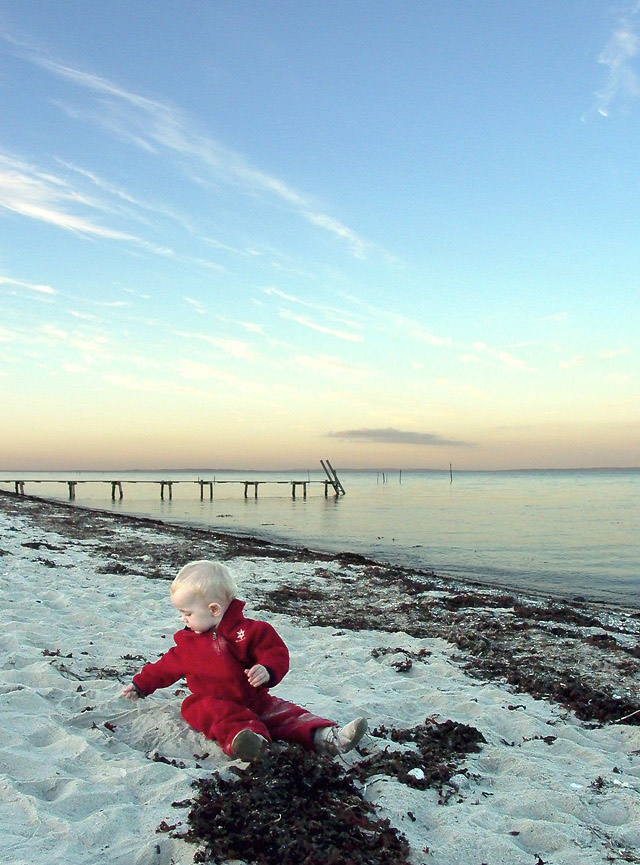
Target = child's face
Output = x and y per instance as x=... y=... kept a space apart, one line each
x=197 y=614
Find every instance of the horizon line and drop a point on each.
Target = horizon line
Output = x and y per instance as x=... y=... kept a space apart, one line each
x=194 y=470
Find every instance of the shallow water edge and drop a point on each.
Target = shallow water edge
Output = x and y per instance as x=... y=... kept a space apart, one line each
x=250 y=543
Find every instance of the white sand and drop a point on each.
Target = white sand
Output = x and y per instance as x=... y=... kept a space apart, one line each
x=73 y=791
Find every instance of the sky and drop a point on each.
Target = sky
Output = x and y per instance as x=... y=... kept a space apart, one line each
x=257 y=234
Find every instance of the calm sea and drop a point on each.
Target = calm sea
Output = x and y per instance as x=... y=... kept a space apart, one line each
x=569 y=533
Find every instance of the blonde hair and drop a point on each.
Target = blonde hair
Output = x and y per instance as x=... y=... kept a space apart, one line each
x=208 y=581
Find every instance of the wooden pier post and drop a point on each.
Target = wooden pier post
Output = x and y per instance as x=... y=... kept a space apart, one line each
x=253 y=484
x=19 y=488
x=116 y=485
x=72 y=489
x=294 y=484
x=204 y=484
x=168 y=484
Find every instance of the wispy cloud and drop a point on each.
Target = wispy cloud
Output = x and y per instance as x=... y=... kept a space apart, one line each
x=46 y=197
x=83 y=316
x=269 y=290
x=604 y=356
x=135 y=293
x=155 y=126
x=251 y=327
x=476 y=352
x=199 y=308
x=323 y=318
x=30 y=286
x=54 y=332
x=453 y=386
x=330 y=365
x=109 y=304
x=391 y=435
x=505 y=358
x=572 y=363
x=358 y=245
x=91 y=344
x=7 y=335
x=224 y=247
x=117 y=192
x=424 y=335
x=40 y=195
x=622 y=84
x=313 y=325
x=555 y=317
x=236 y=348
x=106 y=186
x=199 y=371
x=129 y=382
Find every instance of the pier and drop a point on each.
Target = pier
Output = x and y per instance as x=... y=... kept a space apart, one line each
x=166 y=486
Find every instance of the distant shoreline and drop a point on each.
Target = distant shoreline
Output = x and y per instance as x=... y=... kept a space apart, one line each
x=305 y=469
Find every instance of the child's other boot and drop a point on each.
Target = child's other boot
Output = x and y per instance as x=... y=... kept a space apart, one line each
x=332 y=741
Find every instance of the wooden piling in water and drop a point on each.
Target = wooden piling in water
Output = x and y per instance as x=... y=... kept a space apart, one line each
x=202 y=486
x=295 y=484
x=253 y=484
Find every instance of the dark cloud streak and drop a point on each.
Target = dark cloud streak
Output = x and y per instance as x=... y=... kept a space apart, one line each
x=391 y=435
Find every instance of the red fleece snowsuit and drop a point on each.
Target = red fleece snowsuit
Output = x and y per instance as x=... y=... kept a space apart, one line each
x=222 y=702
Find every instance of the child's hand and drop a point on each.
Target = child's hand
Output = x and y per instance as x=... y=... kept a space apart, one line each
x=129 y=692
x=257 y=675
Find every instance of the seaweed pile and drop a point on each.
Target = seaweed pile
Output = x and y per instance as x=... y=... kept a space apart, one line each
x=290 y=807
x=433 y=758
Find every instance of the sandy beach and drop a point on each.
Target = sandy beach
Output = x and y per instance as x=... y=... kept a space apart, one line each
x=88 y=777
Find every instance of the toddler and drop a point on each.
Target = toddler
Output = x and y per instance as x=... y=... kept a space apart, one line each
x=229 y=663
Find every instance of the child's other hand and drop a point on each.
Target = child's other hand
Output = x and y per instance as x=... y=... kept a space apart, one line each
x=257 y=675
x=129 y=692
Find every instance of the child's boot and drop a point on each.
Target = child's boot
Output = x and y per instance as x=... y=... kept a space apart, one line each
x=246 y=744
x=332 y=741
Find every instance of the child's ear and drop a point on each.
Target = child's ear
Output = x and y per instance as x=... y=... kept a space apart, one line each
x=215 y=609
